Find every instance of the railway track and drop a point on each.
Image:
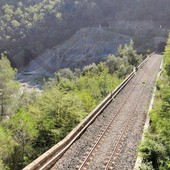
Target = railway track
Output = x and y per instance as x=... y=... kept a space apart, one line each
x=130 y=145
x=110 y=163
x=99 y=141
x=126 y=128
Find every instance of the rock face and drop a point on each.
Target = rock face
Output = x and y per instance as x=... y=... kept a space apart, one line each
x=89 y=45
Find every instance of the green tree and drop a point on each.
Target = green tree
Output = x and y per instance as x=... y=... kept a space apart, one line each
x=128 y=51
x=7 y=145
x=23 y=130
x=8 y=86
x=2 y=166
x=57 y=113
x=113 y=63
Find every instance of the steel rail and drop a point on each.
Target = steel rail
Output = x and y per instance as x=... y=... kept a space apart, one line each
x=124 y=131
x=123 y=134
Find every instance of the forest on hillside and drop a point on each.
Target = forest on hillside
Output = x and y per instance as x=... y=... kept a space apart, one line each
x=29 y=27
x=32 y=122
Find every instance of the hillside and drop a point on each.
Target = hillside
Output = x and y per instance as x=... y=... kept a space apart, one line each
x=30 y=27
x=87 y=46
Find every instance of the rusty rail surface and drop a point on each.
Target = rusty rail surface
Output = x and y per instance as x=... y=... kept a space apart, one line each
x=49 y=158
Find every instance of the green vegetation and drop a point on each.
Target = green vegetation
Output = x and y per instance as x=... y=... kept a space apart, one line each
x=8 y=87
x=37 y=121
x=29 y=27
x=156 y=147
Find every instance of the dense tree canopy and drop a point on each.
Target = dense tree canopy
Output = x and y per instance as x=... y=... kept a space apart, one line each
x=37 y=121
x=36 y=25
x=8 y=87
